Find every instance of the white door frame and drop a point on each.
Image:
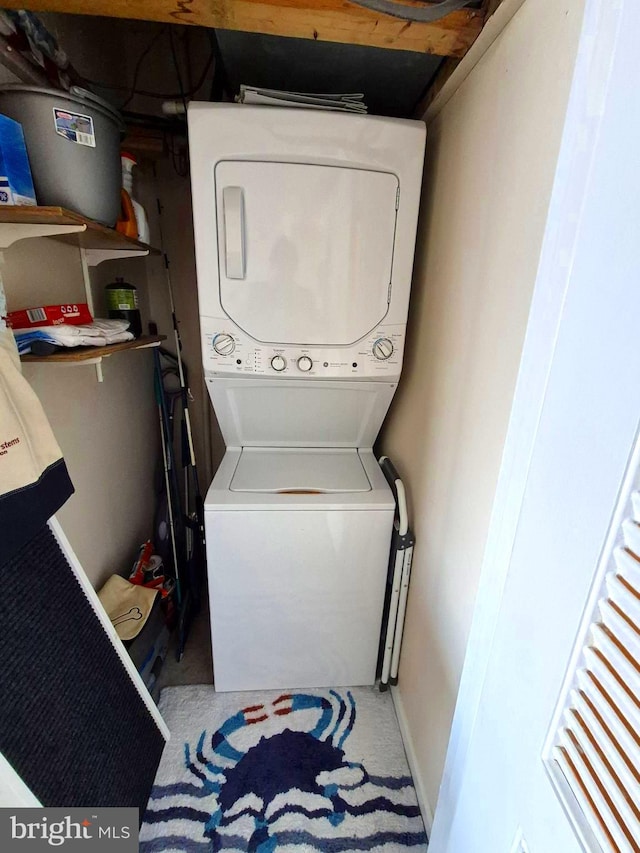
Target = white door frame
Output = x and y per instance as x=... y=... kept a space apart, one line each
x=14 y=793
x=590 y=87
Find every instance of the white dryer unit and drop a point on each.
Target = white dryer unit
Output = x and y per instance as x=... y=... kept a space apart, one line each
x=305 y=228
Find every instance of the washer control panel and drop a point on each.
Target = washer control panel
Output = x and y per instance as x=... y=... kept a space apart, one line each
x=223 y=344
x=383 y=349
x=227 y=351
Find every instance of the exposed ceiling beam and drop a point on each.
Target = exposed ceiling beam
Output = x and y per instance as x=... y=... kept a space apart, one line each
x=323 y=20
x=447 y=68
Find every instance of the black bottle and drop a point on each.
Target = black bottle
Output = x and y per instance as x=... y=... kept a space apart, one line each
x=122 y=304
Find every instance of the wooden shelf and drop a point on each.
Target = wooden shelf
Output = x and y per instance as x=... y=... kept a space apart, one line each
x=93 y=355
x=101 y=243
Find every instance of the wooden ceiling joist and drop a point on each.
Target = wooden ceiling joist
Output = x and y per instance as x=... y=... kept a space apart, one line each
x=323 y=20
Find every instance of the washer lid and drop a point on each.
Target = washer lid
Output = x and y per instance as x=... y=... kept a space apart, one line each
x=293 y=471
x=270 y=412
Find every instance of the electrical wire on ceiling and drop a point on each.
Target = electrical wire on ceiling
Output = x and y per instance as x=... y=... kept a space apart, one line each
x=417 y=14
x=161 y=96
x=171 y=134
x=133 y=90
x=141 y=58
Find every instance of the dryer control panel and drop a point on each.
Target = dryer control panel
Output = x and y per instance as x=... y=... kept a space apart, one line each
x=229 y=352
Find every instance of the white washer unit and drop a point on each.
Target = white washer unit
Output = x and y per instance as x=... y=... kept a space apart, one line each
x=305 y=228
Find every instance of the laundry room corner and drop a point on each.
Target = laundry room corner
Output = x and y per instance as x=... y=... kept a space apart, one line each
x=413 y=759
x=313 y=324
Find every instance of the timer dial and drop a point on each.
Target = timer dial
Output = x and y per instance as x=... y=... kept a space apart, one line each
x=304 y=363
x=223 y=344
x=278 y=363
x=383 y=349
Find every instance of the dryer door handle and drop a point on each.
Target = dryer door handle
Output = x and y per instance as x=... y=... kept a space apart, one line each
x=233 y=209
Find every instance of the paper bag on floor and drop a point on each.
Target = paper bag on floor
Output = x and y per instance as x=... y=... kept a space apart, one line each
x=128 y=605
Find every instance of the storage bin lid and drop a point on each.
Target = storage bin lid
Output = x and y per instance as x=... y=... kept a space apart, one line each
x=78 y=98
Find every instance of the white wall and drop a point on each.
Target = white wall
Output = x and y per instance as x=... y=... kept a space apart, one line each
x=491 y=153
x=577 y=399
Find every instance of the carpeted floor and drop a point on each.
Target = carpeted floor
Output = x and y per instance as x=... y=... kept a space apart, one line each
x=316 y=770
x=196 y=666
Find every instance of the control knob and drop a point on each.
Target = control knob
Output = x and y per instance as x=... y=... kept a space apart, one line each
x=383 y=349
x=278 y=363
x=223 y=344
x=304 y=363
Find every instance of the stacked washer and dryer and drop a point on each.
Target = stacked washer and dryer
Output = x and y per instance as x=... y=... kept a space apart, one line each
x=305 y=226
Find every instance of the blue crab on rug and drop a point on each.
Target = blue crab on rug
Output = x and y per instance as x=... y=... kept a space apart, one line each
x=308 y=770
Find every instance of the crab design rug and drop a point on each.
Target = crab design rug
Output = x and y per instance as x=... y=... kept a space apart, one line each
x=309 y=770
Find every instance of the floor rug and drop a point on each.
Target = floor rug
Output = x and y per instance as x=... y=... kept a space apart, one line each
x=313 y=770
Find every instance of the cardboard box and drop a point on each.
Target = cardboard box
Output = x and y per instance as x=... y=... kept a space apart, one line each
x=75 y=314
x=16 y=183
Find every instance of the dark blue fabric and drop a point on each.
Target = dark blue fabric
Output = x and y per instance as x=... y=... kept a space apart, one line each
x=23 y=512
x=72 y=724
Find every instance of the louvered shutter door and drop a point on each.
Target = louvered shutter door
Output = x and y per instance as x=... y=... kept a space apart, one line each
x=595 y=742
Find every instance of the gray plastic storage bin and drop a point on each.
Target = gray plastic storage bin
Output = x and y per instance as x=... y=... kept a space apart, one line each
x=73 y=142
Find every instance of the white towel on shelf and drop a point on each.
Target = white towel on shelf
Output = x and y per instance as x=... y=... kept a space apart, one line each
x=92 y=340
x=100 y=333
x=98 y=329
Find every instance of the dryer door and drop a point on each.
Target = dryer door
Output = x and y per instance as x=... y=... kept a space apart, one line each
x=305 y=251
